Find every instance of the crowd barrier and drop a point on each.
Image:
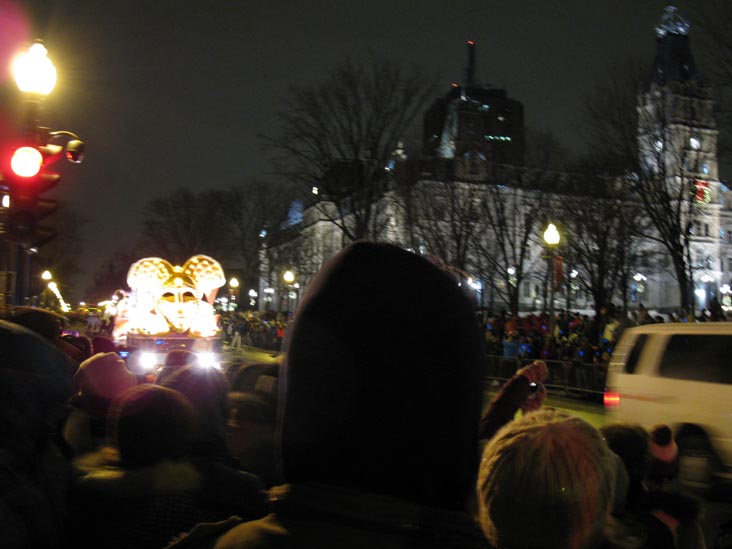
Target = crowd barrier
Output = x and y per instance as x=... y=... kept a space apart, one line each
x=569 y=377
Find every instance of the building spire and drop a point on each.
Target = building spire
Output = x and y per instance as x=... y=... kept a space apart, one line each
x=470 y=69
x=672 y=23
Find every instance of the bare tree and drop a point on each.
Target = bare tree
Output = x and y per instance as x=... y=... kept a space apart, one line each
x=512 y=208
x=602 y=226
x=341 y=134
x=445 y=219
x=183 y=224
x=247 y=215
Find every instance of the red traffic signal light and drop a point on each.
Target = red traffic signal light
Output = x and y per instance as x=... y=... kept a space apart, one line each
x=26 y=161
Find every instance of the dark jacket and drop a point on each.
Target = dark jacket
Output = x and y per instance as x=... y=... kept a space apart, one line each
x=381 y=396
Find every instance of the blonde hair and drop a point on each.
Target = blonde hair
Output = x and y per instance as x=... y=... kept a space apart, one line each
x=545 y=481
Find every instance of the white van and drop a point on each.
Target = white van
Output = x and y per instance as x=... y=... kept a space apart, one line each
x=675 y=373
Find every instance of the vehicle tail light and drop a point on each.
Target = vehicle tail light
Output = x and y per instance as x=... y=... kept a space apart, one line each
x=611 y=400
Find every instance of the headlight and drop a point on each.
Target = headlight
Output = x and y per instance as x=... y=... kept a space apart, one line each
x=208 y=360
x=148 y=360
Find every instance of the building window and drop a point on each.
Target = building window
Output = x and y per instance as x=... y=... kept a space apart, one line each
x=694 y=143
x=705 y=168
x=706 y=229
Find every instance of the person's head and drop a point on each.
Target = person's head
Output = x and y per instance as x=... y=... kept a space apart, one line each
x=631 y=443
x=250 y=433
x=380 y=390
x=150 y=424
x=206 y=389
x=546 y=481
x=104 y=375
x=174 y=361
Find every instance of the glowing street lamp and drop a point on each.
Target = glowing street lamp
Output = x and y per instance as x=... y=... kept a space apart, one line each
x=46 y=275
x=288 y=277
x=34 y=72
x=551 y=238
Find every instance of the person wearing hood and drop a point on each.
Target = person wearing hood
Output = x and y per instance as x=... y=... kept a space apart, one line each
x=379 y=409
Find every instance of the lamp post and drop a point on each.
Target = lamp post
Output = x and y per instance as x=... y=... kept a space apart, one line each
x=551 y=238
x=289 y=278
x=28 y=178
x=233 y=292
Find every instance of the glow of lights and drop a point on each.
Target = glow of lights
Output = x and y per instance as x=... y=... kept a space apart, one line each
x=551 y=235
x=315 y=190
x=26 y=161
x=700 y=293
x=454 y=84
x=148 y=361
x=253 y=293
x=6 y=201
x=706 y=278
x=511 y=271
x=694 y=143
x=296 y=285
x=471 y=43
x=262 y=233
x=82 y=303
x=170 y=298
x=269 y=290
x=46 y=275
x=574 y=273
x=725 y=289
x=610 y=399
x=639 y=277
x=54 y=288
x=233 y=283
x=33 y=71
x=288 y=277
x=475 y=284
x=208 y=360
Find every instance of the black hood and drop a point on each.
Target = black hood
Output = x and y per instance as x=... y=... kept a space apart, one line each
x=382 y=387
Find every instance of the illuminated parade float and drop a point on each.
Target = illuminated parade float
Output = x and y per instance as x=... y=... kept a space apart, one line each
x=170 y=307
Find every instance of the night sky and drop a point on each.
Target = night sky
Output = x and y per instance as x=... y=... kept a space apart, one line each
x=175 y=93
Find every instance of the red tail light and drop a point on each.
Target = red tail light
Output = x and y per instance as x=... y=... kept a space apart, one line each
x=611 y=400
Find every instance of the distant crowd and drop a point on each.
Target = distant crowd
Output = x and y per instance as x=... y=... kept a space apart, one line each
x=372 y=432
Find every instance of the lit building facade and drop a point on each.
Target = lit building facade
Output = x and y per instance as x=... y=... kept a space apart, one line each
x=473 y=139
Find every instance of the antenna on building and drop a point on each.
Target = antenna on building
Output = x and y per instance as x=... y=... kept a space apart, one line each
x=470 y=69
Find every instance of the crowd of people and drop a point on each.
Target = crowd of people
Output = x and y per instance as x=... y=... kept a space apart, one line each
x=371 y=433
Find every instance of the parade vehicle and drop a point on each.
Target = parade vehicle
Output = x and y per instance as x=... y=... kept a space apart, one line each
x=169 y=307
x=679 y=374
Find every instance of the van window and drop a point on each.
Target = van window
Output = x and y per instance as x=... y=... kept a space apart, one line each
x=635 y=353
x=698 y=358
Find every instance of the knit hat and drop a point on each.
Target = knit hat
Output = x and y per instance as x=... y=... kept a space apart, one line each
x=665 y=452
x=104 y=375
x=149 y=424
x=663 y=447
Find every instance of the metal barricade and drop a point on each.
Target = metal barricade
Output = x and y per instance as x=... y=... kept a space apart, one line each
x=570 y=377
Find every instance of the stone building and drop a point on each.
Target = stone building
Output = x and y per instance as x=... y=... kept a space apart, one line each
x=472 y=155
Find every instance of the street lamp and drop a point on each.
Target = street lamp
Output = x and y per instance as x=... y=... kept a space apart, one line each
x=46 y=275
x=233 y=292
x=289 y=278
x=551 y=238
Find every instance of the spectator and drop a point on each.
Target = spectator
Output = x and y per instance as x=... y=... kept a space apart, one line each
x=546 y=481
x=153 y=492
x=98 y=381
x=380 y=405
x=174 y=361
x=250 y=434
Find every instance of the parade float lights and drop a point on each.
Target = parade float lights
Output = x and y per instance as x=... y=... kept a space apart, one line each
x=170 y=307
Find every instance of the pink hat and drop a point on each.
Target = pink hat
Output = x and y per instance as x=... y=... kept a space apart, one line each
x=104 y=375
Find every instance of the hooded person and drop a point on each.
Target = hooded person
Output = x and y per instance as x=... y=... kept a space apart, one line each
x=379 y=408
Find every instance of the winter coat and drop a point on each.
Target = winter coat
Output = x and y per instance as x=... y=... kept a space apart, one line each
x=380 y=394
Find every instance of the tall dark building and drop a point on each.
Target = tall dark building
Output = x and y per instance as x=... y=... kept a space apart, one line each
x=475 y=120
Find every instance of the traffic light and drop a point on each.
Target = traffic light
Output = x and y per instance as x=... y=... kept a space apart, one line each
x=26 y=177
